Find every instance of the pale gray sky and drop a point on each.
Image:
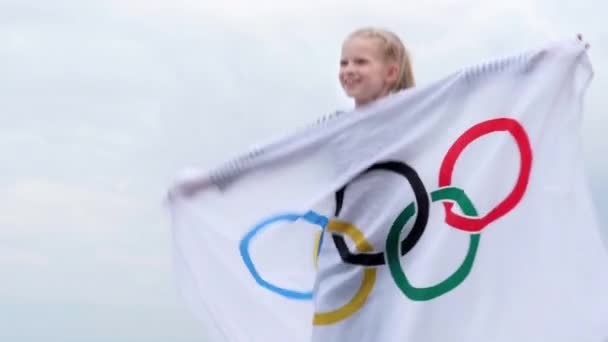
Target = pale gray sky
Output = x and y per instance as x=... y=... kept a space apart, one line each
x=102 y=102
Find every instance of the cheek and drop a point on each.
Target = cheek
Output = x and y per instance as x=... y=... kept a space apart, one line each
x=374 y=75
x=341 y=74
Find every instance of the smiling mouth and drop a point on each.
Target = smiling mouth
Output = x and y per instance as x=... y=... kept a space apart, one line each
x=350 y=83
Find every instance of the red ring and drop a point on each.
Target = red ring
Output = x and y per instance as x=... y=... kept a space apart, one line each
x=476 y=224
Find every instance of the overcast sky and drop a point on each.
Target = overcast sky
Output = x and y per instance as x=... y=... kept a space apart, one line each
x=102 y=102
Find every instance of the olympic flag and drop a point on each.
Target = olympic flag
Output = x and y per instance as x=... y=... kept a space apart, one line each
x=457 y=211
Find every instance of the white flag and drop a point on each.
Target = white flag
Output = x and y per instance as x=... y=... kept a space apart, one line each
x=458 y=211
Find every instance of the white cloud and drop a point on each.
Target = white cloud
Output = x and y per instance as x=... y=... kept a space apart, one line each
x=125 y=259
x=37 y=205
x=10 y=256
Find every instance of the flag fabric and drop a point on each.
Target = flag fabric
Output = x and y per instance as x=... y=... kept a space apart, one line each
x=455 y=211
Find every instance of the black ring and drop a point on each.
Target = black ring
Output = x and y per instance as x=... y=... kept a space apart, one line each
x=422 y=216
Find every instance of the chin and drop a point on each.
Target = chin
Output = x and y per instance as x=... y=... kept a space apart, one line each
x=353 y=93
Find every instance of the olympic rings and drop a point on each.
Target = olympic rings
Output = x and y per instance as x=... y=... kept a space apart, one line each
x=310 y=217
x=366 y=257
x=392 y=253
x=447 y=168
x=422 y=209
x=367 y=284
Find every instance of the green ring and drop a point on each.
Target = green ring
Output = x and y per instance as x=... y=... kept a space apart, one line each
x=458 y=196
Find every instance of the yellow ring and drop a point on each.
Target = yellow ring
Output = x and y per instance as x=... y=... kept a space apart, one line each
x=367 y=284
x=315 y=257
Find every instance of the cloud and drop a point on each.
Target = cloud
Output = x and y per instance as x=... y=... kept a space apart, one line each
x=124 y=258
x=10 y=256
x=37 y=205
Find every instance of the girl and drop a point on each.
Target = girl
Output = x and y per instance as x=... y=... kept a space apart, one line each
x=374 y=64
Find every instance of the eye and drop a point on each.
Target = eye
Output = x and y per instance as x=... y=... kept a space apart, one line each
x=361 y=61
x=343 y=62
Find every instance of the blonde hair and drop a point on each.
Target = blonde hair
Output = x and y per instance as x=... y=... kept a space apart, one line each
x=393 y=50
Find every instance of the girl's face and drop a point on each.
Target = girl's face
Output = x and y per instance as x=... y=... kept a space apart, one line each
x=364 y=73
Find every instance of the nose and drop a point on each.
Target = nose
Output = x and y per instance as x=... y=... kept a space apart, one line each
x=347 y=68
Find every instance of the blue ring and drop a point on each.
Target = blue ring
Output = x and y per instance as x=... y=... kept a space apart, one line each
x=310 y=217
